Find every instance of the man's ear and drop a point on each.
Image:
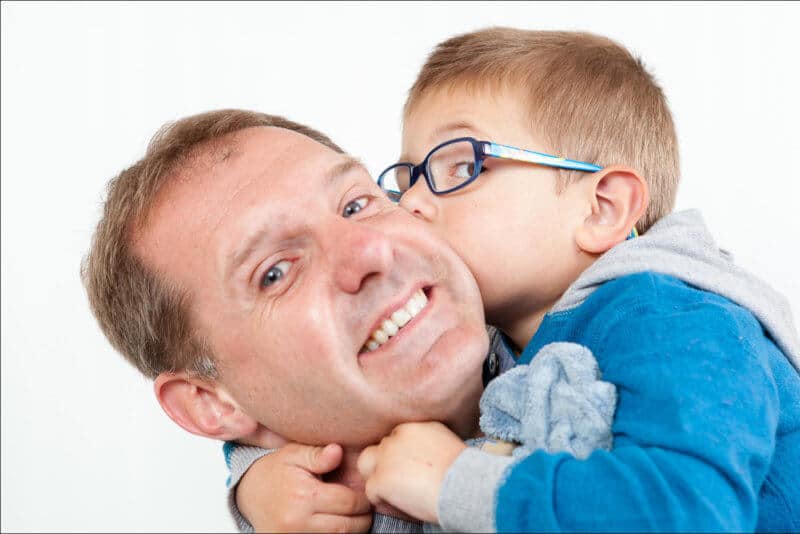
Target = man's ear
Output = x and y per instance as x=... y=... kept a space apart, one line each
x=202 y=407
x=618 y=198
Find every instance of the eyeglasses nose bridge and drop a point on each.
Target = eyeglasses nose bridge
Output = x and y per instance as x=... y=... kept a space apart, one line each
x=416 y=171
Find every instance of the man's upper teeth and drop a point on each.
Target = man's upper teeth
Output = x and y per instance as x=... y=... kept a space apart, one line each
x=389 y=327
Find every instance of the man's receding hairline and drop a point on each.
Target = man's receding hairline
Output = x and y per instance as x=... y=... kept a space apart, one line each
x=226 y=146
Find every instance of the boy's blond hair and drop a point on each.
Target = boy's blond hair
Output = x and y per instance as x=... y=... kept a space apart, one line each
x=587 y=95
x=144 y=316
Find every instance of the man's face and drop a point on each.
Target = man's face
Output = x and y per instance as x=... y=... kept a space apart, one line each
x=293 y=258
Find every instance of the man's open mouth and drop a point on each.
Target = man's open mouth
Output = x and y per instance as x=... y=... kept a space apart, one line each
x=391 y=325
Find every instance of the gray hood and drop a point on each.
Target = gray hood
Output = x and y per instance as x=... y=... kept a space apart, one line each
x=681 y=246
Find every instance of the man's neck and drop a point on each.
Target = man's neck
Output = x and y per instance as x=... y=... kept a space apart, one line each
x=348 y=475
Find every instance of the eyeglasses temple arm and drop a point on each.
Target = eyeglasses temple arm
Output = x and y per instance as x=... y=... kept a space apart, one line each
x=529 y=156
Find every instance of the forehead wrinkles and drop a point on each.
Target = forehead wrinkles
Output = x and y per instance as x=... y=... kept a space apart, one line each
x=267 y=179
x=276 y=195
x=181 y=205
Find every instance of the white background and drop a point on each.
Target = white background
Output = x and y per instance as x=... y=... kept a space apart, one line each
x=84 y=445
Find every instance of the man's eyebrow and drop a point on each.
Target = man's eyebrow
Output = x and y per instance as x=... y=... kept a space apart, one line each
x=339 y=170
x=251 y=243
x=235 y=259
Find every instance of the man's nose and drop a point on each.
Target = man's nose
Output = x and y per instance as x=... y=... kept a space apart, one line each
x=420 y=201
x=361 y=253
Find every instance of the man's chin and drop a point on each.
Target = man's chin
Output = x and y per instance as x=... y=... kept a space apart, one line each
x=450 y=373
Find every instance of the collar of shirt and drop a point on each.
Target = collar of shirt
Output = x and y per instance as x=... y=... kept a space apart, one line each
x=500 y=358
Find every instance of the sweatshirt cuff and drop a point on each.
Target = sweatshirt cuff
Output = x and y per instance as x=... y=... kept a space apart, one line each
x=239 y=458
x=468 y=496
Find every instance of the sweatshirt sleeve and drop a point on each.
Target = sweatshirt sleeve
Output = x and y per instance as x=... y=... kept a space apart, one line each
x=239 y=458
x=694 y=434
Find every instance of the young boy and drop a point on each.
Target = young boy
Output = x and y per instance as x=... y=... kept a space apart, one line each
x=704 y=357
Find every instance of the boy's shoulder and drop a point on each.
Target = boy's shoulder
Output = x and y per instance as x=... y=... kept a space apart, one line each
x=648 y=325
x=650 y=318
x=650 y=298
x=655 y=290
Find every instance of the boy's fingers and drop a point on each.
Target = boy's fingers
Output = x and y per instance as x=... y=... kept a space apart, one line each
x=317 y=460
x=366 y=462
x=372 y=492
x=340 y=523
x=341 y=500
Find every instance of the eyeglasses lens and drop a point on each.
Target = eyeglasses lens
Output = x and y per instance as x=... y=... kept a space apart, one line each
x=395 y=181
x=451 y=165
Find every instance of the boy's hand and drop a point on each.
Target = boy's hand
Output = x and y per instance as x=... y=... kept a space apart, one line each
x=407 y=468
x=281 y=492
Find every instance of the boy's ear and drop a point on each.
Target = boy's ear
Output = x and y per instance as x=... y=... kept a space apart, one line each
x=618 y=198
x=203 y=407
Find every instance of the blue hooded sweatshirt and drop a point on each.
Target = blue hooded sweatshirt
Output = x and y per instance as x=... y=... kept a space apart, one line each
x=706 y=433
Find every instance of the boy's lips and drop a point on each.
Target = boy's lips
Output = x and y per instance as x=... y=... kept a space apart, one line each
x=396 y=319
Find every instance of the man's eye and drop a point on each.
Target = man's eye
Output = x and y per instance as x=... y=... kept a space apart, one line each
x=275 y=273
x=354 y=206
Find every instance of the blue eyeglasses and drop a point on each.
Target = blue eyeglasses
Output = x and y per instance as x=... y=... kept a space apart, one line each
x=456 y=163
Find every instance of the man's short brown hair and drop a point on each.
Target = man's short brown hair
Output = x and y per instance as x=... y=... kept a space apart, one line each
x=144 y=316
x=587 y=95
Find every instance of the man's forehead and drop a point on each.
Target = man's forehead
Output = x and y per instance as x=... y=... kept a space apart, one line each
x=279 y=154
x=289 y=176
x=219 y=175
x=266 y=166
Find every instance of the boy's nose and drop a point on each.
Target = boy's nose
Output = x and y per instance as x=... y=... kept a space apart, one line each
x=420 y=201
x=359 y=253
